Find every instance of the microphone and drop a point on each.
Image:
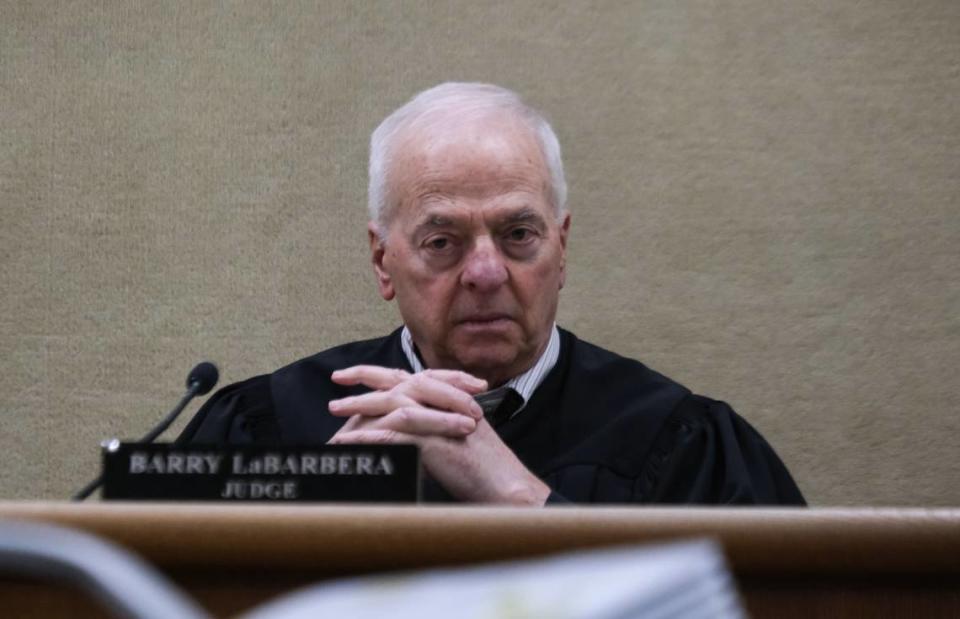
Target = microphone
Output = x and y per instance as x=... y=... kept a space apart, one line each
x=200 y=381
x=205 y=375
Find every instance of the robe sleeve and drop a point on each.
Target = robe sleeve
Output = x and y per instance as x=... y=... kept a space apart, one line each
x=707 y=454
x=239 y=413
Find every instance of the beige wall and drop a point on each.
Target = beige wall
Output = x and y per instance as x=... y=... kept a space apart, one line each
x=764 y=196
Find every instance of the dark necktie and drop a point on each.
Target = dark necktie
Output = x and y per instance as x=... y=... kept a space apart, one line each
x=499 y=404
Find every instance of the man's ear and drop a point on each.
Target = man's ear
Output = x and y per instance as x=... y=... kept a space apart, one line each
x=564 y=231
x=377 y=253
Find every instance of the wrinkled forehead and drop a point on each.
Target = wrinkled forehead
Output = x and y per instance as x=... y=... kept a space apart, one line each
x=492 y=153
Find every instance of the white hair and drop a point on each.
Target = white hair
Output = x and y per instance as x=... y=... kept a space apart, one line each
x=453 y=102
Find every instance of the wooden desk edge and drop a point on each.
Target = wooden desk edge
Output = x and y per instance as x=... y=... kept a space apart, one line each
x=363 y=538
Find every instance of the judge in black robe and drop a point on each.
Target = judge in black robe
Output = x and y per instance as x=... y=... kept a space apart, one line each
x=468 y=234
x=601 y=428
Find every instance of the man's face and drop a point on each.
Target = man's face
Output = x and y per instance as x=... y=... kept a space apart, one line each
x=473 y=251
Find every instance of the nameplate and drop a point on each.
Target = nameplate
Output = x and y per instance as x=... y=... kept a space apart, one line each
x=197 y=472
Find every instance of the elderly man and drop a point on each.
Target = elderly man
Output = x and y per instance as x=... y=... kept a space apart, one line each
x=468 y=233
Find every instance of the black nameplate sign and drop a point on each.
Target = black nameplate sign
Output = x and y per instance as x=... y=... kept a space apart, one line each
x=197 y=472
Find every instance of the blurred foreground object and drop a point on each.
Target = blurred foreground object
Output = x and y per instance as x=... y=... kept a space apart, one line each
x=120 y=580
x=676 y=581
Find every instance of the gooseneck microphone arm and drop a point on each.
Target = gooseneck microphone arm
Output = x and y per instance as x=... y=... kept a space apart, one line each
x=201 y=380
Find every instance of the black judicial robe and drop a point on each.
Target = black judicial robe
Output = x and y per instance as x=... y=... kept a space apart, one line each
x=601 y=428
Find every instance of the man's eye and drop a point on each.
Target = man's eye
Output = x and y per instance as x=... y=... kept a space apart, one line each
x=438 y=243
x=520 y=235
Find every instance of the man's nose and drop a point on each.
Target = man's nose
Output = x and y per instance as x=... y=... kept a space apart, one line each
x=484 y=268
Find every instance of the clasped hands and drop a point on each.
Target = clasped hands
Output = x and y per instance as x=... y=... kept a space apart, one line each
x=435 y=410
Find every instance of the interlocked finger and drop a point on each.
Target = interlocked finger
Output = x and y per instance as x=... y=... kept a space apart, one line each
x=373 y=404
x=429 y=389
x=382 y=378
x=371 y=437
x=461 y=380
x=372 y=376
x=434 y=393
x=414 y=420
x=427 y=422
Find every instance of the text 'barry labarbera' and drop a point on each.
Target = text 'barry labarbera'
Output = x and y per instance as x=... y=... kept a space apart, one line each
x=209 y=463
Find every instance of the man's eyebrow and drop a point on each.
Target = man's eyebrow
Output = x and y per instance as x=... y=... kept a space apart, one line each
x=434 y=220
x=430 y=222
x=523 y=215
